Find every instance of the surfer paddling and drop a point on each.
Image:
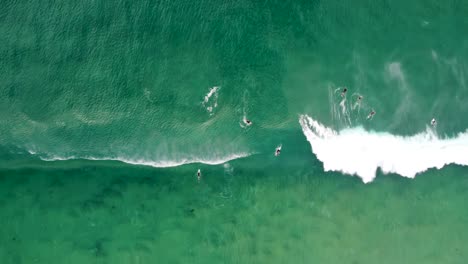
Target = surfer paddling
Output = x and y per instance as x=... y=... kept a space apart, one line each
x=358 y=102
x=247 y=122
x=343 y=93
x=278 y=151
x=371 y=114
x=198 y=174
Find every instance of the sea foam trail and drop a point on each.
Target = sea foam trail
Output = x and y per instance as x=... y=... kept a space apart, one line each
x=210 y=101
x=356 y=151
x=175 y=163
x=156 y=164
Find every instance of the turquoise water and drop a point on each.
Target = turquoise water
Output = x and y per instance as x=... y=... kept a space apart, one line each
x=108 y=109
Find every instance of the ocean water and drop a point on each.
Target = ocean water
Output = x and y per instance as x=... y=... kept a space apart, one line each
x=109 y=108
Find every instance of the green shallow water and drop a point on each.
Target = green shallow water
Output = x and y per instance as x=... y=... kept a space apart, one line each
x=233 y=215
x=127 y=80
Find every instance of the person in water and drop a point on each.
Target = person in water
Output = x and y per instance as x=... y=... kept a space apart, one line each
x=433 y=122
x=343 y=93
x=198 y=174
x=371 y=114
x=278 y=151
x=246 y=121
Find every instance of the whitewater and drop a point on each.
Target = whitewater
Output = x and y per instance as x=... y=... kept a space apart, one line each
x=355 y=151
x=153 y=163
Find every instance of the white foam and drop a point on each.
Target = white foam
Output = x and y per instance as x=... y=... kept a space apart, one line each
x=156 y=164
x=278 y=148
x=394 y=69
x=210 y=101
x=245 y=122
x=175 y=163
x=339 y=111
x=356 y=151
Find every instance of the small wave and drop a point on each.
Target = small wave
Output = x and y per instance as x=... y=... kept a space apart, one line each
x=356 y=151
x=210 y=101
x=156 y=164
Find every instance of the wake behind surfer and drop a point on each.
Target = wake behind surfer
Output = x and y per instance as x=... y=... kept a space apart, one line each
x=371 y=114
x=358 y=102
x=343 y=93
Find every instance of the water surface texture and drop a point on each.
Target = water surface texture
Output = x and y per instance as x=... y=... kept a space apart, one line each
x=109 y=108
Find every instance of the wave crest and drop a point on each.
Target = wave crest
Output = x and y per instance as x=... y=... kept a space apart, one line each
x=156 y=164
x=356 y=151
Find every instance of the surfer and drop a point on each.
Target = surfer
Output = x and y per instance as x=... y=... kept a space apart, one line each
x=358 y=102
x=278 y=151
x=343 y=93
x=433 y=122
x=371 y=114
x=198 y=174
x=246 y=122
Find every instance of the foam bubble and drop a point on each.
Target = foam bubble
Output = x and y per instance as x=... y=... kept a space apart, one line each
x=356 y=151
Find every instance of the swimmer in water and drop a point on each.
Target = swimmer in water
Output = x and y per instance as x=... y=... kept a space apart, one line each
x=198 y=174
x=371 y=114
x=358 y=102
x=278 y=151
x=246 y=121
x=433 y=122
x=343 y=93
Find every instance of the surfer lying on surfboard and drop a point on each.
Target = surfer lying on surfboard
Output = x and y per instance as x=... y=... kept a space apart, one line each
x=343 y=93
x=278 y=151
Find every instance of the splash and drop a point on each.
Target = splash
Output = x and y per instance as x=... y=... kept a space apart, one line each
x=210 y=101
x=356 y=151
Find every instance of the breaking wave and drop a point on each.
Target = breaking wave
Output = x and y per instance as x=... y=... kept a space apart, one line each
x=356 y=151
x=156 y=164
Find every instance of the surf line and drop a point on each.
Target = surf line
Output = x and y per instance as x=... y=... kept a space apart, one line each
x=355 y=151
